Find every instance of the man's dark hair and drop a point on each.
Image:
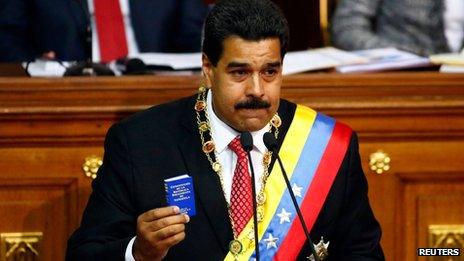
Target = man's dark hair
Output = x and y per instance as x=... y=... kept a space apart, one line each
x=248 y=19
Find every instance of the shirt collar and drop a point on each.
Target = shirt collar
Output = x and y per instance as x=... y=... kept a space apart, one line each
x=223 y=134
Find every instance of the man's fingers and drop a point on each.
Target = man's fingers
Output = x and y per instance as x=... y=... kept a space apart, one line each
x=171 y=241
x=159 y=229
x=167 y=221
x=168 y=232
x=158 y=213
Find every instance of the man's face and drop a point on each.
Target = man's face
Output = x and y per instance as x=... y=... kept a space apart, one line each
x=246 y=82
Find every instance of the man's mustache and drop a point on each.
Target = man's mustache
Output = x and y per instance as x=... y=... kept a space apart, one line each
x=253 y=103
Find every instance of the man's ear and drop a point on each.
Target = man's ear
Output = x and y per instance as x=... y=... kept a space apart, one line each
x=207 y=70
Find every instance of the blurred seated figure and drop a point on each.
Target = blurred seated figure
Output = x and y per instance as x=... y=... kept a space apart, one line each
x=60 y=29
x=423 y=27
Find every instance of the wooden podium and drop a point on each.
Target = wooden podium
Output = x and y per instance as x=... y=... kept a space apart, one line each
x=411 y=129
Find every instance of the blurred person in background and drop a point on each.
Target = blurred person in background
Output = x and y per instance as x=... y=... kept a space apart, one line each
x=423 y=27
x=60 y=29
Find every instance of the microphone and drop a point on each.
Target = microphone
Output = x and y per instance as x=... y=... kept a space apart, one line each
x=247 y=144
x=271 y=144
x=132 y=66
x=87 y=68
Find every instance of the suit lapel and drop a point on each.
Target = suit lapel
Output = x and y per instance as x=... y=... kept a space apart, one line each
x=206 y=182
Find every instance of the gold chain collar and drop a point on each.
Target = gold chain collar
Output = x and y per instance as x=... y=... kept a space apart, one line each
x=208 y=147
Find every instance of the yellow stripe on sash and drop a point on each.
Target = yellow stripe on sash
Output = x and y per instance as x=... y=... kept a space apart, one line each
x=290 y=152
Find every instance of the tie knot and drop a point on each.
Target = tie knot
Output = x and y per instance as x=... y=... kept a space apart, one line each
x=236 y=146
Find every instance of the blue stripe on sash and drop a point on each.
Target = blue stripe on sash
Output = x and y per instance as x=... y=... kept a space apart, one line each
x=303 y=174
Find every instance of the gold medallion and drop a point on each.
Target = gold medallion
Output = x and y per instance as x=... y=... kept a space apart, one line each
x=235 y=247
x=208 y=146
x=200 y=105
x=276 y=121
x=217 y=166
x=202 y=88
x=260 y=213
x=203 y=126
x=261 y=198
x=267 y=158
x=321 y=250
x=251 y=235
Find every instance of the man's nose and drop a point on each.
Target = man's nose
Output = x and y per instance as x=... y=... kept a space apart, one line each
x=255 y=86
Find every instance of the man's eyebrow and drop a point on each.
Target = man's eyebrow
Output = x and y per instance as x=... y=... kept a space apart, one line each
x=274 y=64
x=242 y=65
x=237 y=64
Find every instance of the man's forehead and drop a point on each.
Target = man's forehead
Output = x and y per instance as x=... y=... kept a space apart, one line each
x=234 y=41
x=241 y=51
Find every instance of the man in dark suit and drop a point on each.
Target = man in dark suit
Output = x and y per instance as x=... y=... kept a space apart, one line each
x=58 y=29
x=127 y=215
x=424 y=27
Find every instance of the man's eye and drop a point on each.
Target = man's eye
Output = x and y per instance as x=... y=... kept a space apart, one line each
x=269 y=72
x=239 y=73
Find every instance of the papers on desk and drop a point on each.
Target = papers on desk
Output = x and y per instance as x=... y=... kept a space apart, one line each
x=294 y=62
x=176 y=61
x=384 y=59
x=317 y=59
x=451 y=62
x=445 y=68
x=448 y=58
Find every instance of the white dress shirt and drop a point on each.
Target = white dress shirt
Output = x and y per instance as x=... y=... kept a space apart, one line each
x=130 y=37
x=222 y=135
x=454 y=24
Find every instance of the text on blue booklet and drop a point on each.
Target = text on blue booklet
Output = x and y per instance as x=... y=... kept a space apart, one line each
x=179 y=192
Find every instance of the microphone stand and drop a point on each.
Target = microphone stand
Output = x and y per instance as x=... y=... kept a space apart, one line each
x=271 y=144
x=247 y=143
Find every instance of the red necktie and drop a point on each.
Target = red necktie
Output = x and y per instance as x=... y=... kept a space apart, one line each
x=241 y=205
x=110 y=29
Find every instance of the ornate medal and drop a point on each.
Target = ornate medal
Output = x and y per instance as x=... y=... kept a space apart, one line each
x=202 y=88
x=267 y=159
x=235 y=247
x=261 y=198
x=260 y=213
x=203 y=126
x=200 y=105
x=276 y=121
x=208 y=147
x=321 y=250
x=217 y=166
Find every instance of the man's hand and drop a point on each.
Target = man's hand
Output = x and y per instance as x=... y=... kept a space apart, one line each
x=158 y=230
x=50 y=55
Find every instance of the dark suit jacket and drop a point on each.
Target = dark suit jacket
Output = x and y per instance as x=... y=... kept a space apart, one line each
x=161 y=142
x=28 y=28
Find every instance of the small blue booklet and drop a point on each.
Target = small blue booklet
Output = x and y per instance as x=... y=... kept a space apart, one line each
x=179 y=192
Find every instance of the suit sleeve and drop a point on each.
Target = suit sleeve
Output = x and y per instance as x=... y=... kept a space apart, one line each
x=109 y=220
x=15 y=40
x=353 y=27
x=357 y=229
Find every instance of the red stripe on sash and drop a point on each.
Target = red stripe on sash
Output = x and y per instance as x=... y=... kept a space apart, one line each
x=317 y=192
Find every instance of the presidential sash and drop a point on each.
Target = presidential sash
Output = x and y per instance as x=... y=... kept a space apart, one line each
x=312 y=151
